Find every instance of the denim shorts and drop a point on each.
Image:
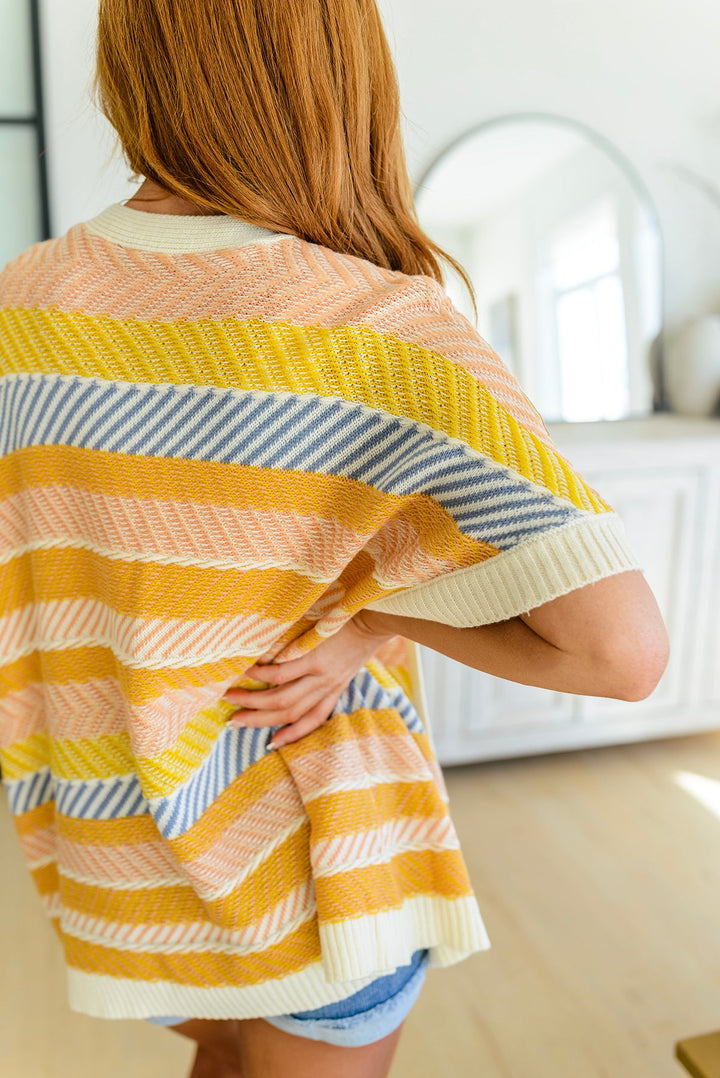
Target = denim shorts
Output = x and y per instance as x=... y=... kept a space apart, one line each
x=365 y=1016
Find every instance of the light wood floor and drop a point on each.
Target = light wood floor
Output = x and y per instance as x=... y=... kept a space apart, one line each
x=598 y=876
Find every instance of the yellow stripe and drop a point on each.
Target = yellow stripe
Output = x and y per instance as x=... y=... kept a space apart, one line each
x=25 y=757
x=79 y=758
x=390 y=677
x=46 y=879
x=123 y=831
x=293 y=954
x=93 y=758
x=164 y=772
x=299 y=359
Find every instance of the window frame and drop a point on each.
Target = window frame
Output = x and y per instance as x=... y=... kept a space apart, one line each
x=36 y=120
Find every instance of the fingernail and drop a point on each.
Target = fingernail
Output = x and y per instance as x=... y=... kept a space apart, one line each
x=271 y=746
x=234 y=723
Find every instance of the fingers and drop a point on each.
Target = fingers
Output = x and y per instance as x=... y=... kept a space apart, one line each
x=257 y=719
x=300 y=729
x=271 y=699
x=280 y=673
x=276 y=707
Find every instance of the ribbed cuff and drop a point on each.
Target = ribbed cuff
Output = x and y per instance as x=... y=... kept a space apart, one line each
x=518 y=580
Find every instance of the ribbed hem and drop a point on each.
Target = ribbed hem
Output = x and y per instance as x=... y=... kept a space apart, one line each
x=452 y=929
x=518 y=580
x=102 y=996
x=176 y=234
x=354 y=954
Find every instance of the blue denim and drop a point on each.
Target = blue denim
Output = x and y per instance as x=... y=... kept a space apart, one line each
x=366 y=1016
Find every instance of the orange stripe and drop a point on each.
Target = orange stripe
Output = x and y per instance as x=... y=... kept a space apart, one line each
x=35 y=819
x=292 y=955
x=384 y=887
x=46 y=878
x=350 y=811
x=125 y=830
x=139 y=686
x=139 y=589
x=352 y=503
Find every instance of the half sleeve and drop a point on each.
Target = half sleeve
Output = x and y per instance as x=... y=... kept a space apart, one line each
x=484 y=518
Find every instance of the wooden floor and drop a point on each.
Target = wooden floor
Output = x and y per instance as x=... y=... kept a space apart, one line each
x=598 y=876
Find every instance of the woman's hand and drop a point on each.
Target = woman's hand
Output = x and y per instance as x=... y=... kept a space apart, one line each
x=305 y=690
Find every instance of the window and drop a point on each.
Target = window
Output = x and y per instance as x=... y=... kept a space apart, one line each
x=590 y=315
x=24 y=212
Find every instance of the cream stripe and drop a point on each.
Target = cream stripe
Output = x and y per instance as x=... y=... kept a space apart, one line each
x=114 y=997
x=379 y=943
x=176 y=233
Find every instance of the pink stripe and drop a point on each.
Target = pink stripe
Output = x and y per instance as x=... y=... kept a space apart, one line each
x=142 y=642
x=347 y=852
x=197 y=534
x=143 y=864
x=247 y=840
x=39 y=844
x=358 y=760
x=290 y=281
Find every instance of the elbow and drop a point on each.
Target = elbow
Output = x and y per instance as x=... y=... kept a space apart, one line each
x=638 y=674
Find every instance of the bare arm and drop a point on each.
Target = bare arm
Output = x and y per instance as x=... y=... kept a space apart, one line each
x=606 y=639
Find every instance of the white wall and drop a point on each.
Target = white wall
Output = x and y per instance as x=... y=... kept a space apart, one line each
x=644 y=73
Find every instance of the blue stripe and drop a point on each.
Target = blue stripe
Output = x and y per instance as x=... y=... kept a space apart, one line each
x=282 y=431
x=238 y=748
x=30 y=792
x=234 y=751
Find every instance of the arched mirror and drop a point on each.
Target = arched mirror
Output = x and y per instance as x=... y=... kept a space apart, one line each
x=564 y=249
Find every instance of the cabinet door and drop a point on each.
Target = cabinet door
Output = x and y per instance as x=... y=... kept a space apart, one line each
x=468 y=704
x=476 y=716
x=660 y=512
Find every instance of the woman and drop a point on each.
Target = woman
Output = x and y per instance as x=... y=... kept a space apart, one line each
x=250 y=453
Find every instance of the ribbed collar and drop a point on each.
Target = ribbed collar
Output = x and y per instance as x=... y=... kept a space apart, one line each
x=172 y=234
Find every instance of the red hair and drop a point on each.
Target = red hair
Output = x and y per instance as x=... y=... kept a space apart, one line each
x=284 y=113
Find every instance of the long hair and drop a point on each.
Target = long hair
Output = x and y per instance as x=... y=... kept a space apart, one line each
x=284 y=113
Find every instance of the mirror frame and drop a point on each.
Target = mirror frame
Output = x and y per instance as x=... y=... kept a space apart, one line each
x=656 y=357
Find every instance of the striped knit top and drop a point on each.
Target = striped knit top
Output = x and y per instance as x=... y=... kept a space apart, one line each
x=219 y=441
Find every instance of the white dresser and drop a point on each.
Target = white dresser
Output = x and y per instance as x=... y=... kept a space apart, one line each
x=662 y=475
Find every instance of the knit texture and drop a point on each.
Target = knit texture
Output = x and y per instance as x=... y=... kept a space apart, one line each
x=217 y=441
